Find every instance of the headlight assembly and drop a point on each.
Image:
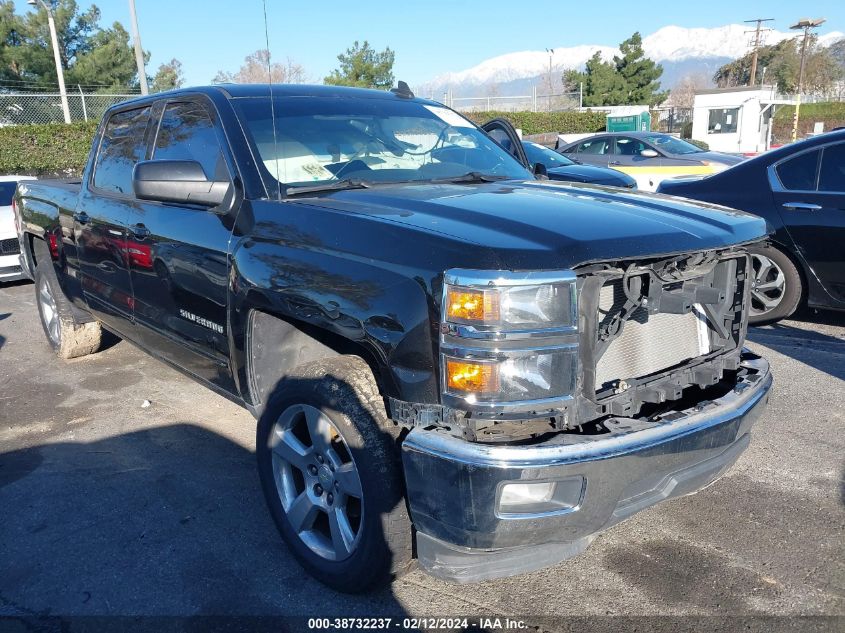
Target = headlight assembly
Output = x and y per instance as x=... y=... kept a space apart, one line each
x=508 y=340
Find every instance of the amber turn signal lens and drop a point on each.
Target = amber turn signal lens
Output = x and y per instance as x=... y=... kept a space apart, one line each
x=469 y=377
x=465 y=304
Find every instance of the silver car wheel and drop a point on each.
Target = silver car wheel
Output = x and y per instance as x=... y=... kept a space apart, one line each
x=317 y=482
x=49 y=313
x=768 y=285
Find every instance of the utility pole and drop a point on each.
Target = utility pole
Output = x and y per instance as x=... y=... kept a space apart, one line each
x=757 y=33
x=551 y=52
x=806 y=25
x=60 y=75
x=139 y=52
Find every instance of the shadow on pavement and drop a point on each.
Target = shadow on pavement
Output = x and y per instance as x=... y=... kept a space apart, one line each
x=161 y=521
x=3 y=316
x=813 y=348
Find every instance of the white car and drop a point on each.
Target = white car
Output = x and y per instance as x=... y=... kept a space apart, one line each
x=10 y=266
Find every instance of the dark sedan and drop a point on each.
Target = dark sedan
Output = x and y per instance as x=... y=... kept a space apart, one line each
x=800 y=190
x=559 y=167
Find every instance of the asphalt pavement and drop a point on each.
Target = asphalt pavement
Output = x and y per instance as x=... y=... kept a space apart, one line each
x=110 y=507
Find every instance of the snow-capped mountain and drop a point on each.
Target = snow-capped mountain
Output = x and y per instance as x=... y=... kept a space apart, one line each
x=680 y=50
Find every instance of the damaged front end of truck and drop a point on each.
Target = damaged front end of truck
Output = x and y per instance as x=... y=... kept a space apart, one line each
x=573 y=399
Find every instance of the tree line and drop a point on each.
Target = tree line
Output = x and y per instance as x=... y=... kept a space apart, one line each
x=94 y=57
x=633 y=79
x=100 y=58
x=779 y=65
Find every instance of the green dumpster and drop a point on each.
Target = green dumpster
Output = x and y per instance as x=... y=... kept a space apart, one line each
x=629 y=123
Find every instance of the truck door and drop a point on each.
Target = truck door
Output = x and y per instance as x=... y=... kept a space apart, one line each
x=100 y=219
x=809 y=194
x=180 y=272
x=505 y=135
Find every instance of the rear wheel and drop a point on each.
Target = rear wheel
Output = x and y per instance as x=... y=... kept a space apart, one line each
x=330 y=470
x=68 y=337
x=775 y=285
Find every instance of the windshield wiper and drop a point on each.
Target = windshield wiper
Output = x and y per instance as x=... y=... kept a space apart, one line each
x=469 y=177
x=334 y=185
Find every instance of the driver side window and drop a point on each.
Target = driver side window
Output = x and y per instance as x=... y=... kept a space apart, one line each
x=627 y=146
x=186 y=132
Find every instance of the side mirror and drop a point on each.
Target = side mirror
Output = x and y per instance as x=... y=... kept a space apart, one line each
x=181 y=181
x=649 y=153
x=539 y=169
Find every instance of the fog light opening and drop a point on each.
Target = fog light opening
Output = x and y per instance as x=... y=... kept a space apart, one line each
x=526 y=494
x=524 y=499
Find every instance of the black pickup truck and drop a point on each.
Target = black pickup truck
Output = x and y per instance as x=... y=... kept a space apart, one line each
x=450 y=359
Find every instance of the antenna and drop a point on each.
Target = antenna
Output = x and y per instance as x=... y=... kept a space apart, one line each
x=272 y=104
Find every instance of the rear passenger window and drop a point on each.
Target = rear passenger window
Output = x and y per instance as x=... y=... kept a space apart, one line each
x=121 y=147
x=799 y=174
x=187 y=133
x=596 y=146
x=832 y=173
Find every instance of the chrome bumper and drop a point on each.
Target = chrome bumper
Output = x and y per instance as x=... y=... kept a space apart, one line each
x=454 y=486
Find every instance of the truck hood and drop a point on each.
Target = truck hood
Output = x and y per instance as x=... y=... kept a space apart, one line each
x=576 y=223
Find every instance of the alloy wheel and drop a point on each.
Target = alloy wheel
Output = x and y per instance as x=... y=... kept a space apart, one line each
x=49 y=313
x=768 y=285
x=317 y=482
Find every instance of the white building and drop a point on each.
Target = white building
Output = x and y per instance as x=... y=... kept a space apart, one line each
x=736 y=120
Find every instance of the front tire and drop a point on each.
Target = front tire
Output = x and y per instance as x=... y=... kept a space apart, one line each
x=776 y=287
x=68 y=337
x=330 y=470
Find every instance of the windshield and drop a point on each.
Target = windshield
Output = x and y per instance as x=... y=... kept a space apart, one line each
x=377 y=141
x=539 y=154
x=7 y=192
x=672 y=145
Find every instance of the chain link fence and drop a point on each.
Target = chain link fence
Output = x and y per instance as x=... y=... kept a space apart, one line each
x=671 y=119
x=537 y=101
x=22 y=108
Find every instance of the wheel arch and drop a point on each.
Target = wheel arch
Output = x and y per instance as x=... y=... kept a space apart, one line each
x=803 y=271
x=303 y=305
x=276 y=344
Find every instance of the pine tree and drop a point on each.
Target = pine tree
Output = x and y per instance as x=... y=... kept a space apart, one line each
x=631 y=79
x=363 y=67
x=602 y=84
x=639 y=73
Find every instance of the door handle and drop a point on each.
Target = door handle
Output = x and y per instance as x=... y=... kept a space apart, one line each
x=801 y=206
x=614 y=162
x=81 y=217
x=139 y=231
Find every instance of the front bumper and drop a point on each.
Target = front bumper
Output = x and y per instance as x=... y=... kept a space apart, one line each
x=10 y=268
x=454 y=487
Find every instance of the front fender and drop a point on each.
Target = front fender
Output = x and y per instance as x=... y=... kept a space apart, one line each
x=381 y=310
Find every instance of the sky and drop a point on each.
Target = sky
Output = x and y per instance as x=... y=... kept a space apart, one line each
x=429 y=37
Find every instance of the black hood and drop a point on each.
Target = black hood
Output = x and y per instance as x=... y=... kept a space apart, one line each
x=542 y=224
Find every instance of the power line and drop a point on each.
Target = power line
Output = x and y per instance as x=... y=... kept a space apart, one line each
x=757 y=33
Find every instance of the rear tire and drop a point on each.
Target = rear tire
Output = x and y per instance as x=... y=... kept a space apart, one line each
x=68 y=337
x=776 y=285
x=330 y=470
